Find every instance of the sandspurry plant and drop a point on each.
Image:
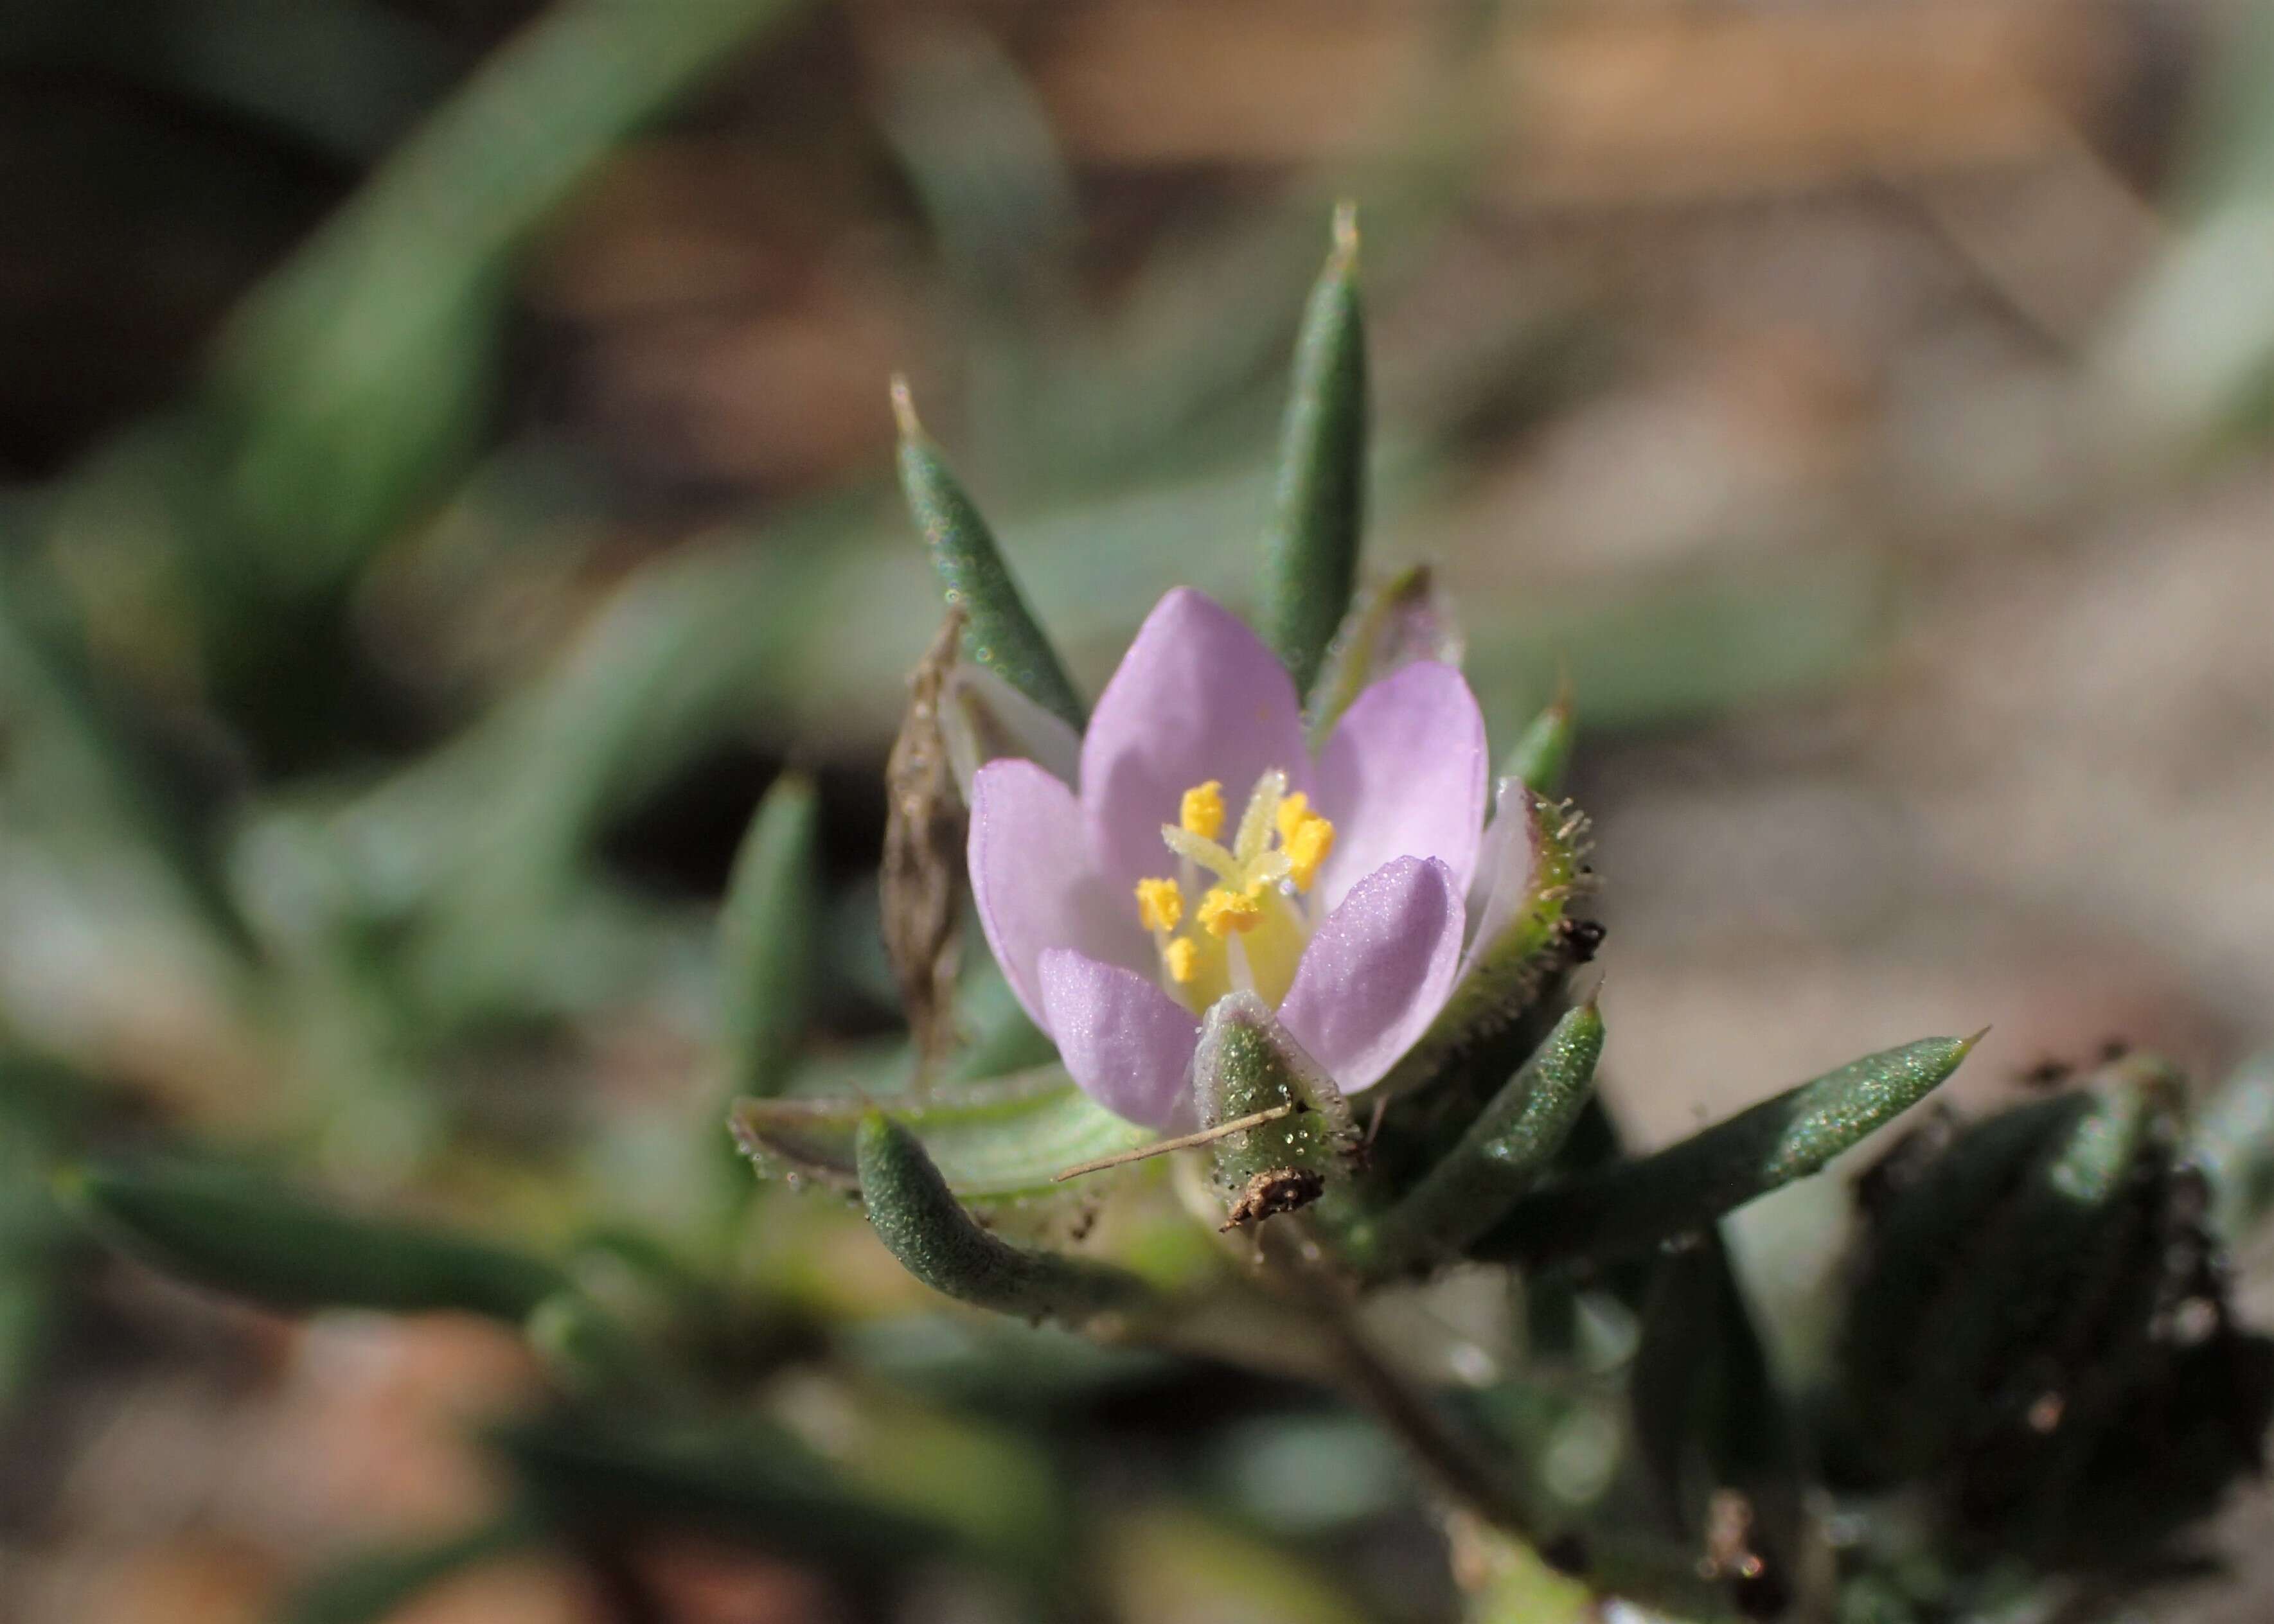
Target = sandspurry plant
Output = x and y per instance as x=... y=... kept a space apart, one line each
x=1278 y=919
x=1252 y=1019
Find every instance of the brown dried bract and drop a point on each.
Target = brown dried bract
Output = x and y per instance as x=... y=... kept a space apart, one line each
x=923 y=854
x=1275 y=1190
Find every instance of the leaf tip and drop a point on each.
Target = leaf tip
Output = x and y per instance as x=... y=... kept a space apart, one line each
x=1345 y=232
x=904 y=409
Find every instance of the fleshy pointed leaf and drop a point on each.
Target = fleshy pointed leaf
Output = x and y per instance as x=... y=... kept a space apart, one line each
x=232 y=1230
x=1000 y=632
x=1310 y=553
x=1685 y=1187
x=1542 y=753
x=923 y=1225
x=1508 y=1148
x=997 y=1140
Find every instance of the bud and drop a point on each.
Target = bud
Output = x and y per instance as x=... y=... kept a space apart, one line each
x=1246 y=1066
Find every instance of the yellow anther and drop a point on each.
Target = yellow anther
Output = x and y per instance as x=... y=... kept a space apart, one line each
x=1223 y=912
x=1182 y=958
x=1202 y=811
x=1291 y=813
x=1307 y=848
x=1160 y=904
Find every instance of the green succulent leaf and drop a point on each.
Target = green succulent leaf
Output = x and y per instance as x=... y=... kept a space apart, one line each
x=766 y=933
x=1634 y=1204
x=999 y=1140
x=1310 y=551
x=1541 y=753
x=921 y=1223
x=234 y=1231
x=1512 y=1142
x=1000 y=632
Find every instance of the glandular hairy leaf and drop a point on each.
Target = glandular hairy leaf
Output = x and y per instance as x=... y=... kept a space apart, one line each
x=1246 y=1067
x=1633 y=1205
x=1001 y=632
x=1507 y=1148
x=1003 y=1140
x=921 y=1223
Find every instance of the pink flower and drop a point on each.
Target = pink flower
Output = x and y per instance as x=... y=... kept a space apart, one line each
x=1205 y=852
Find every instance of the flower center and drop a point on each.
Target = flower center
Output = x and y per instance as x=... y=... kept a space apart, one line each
x=1251 y=926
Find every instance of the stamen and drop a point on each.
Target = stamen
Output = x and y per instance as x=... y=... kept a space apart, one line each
x=1262 y=811
x=1201 y=850
x=1307 y=848
x=1202 y=811
x=1223 y=912
x=1181 y=957
x=1160 y=904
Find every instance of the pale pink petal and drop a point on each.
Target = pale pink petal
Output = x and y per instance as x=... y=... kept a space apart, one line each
x=1198 y=696
x=1502 y=887
x=1124 y=1040
x=1403 y=775
x=1378 y=970
x=984 y=718
x=1032 y=878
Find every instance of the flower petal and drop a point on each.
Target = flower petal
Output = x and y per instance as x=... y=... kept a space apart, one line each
x=1378 y=970
x=1124 y=1040
x=1032 y=878
x=1403 y=775
x=984 y=718
x=1505 y=865
x=1198 y=696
